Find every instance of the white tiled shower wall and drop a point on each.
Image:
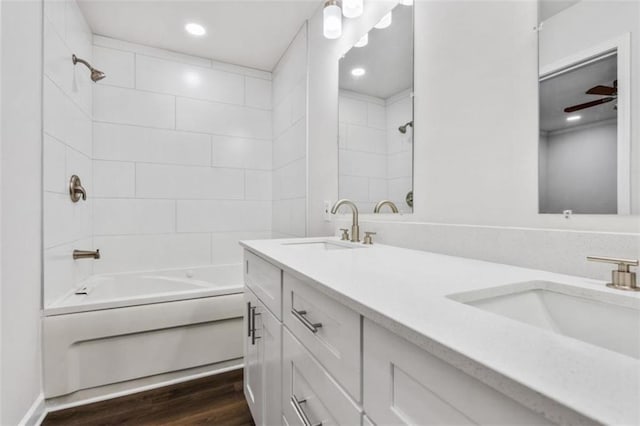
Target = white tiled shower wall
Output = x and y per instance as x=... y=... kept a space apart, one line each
x=290 y=140
x=375 y=159
x=67 y=144
x=182 y=158
x=175 y=153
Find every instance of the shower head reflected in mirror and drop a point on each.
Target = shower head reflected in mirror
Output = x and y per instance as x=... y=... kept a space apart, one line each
x=96 y=75
x=403 y=129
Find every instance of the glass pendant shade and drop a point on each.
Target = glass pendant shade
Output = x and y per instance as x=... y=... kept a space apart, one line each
x=352 y=8
x=332 y=19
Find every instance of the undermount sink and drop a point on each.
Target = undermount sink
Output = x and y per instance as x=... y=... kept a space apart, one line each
x=607 y=320
x=323 y=245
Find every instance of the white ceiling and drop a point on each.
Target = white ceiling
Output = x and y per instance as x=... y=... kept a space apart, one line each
x=569 y=89
x=387 y=59
x=252 y=33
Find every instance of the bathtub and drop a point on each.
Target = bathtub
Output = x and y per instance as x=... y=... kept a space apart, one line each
x=124 y=327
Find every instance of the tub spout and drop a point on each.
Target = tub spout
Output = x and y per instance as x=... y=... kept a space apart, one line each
x=86 y=254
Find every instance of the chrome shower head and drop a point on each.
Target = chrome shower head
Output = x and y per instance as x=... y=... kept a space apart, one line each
x=403 y=129
x=96 y=75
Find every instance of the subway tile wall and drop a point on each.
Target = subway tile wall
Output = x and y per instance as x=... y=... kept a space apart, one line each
x=67 y=145
x=175 y=152
x=375 y=159
x=290 y=140
x=182 y=158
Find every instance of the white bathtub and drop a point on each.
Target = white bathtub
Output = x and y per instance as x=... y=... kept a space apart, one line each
x=141 y=288
x=139 y=325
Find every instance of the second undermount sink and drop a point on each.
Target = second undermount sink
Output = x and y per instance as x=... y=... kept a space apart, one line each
x=607 y=320
x=323 y=245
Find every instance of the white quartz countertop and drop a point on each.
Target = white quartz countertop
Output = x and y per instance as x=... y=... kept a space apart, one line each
x=406 y=291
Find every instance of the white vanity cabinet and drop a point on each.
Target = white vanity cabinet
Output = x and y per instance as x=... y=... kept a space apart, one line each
x=405 y=385
x=326 y=364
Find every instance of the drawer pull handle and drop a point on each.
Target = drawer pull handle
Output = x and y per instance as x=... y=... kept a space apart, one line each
x=300 y=315
x=253 y=325
x=300 y=412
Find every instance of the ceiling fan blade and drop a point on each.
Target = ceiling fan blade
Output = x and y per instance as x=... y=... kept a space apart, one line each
x=602 y=90
x=588 y=105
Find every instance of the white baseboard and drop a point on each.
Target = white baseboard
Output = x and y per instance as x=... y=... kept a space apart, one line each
x=36 y=413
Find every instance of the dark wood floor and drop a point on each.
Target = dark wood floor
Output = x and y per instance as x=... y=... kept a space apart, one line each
x=215 y=400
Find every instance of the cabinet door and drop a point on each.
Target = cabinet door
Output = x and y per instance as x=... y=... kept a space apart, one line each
x=262 y=365
x=252 y=358
x=270 y=337
x=405 y=385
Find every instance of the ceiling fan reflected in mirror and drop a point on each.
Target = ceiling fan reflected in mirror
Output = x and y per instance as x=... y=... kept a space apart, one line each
x=611 y=93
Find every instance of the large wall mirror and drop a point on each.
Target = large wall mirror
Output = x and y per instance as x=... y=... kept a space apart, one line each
x=585 y=99
x=376 y=122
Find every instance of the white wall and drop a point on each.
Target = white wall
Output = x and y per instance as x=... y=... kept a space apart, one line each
x=67 y=145
x=290 y=140
x=182 y=158
x=21 y=256
x=581 y=169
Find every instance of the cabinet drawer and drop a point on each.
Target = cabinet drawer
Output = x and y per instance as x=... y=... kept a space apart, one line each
x=265 y=280
x=328 y=329
x=404 y=384
x=318 y=396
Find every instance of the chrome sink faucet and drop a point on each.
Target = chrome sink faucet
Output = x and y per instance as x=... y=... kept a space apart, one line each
x=623 y=278
x=355 y=228
x=383 y=203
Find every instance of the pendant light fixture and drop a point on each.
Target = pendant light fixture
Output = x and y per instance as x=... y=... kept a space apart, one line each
x=332 y=19
x=352 y=8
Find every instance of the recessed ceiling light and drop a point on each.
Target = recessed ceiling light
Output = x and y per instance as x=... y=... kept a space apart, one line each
x=384 y=22
x=406 y=2
x=574 y=118
x=363 y=41
x=358 y=72
x=195 y=29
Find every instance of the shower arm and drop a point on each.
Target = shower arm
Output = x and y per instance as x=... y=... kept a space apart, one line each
x=75 y=60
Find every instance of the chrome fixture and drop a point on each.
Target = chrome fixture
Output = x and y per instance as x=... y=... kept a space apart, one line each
x=76 y=190
x=302 y=317
x=623 y=278
x=86 y=254
x=403 y=129
x=355 y=228
x=96 y=75
x=409 y=198
x=367 y=238
x=302 y=416
x=345 y=234
x=383 y=203
x=251 y=320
